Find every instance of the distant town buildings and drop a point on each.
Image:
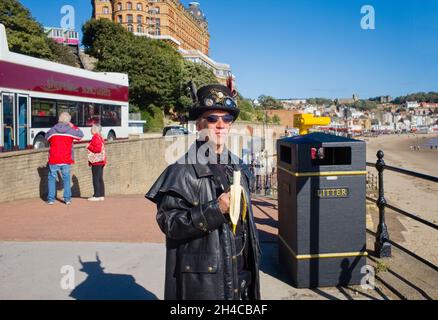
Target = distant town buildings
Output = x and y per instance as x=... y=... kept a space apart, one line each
x=419 y=117
x=347 y=101
x=63 y=36
x=186 y=29
x=385 y=99
x=292 y=104
x=412 y=104
x=429 y=105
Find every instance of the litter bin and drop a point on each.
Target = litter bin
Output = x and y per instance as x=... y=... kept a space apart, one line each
x=322 y=209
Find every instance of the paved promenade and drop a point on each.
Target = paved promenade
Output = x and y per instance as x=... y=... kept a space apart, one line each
x=115 y=250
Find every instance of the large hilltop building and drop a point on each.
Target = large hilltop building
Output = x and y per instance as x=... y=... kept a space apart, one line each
x=169 y=20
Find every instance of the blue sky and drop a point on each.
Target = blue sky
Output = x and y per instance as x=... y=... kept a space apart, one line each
x=303 y=48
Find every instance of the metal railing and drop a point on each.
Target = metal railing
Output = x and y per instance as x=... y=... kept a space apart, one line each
x=265 y=183
x=383 y=242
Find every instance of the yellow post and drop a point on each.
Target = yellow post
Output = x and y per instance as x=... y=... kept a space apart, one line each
x=306 y=121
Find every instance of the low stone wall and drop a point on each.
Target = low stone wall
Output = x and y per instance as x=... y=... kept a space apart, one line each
x=133 y=166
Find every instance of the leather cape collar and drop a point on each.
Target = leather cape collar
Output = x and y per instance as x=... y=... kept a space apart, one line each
x=203 y=170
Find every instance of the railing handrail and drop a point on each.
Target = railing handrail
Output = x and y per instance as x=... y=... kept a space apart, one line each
x=401 y=211
x=408 y=214
x=383 y=242
x=407 y=172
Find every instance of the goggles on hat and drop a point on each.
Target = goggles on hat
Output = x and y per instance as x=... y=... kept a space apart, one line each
x=218 y=98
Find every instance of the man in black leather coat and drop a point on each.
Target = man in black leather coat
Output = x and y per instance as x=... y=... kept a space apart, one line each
x=205 y=259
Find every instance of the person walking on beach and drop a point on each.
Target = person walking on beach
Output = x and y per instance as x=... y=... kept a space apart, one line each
x=61 y=155
x=97 y=161
x=208 y=258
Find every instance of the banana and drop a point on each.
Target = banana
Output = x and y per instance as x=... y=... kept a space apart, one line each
x=237 y=194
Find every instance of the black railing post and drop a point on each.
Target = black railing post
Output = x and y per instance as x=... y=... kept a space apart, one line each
x=382 y=247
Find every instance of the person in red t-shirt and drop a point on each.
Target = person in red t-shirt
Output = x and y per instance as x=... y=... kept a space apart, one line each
x=61 y=155
x=97 y=161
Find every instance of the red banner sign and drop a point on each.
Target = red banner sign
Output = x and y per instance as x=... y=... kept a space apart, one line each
x=15 y=76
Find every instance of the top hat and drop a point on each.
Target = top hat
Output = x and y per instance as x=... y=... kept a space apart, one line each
x=214 y=97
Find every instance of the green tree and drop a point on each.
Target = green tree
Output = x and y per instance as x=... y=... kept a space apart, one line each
x=430 y=97
x=62 y=54
x=200 y=76
x=154 y=118
x=269 y=103
x=364 y=105
x=276 y=119
x=247 y=111
x=26 y=35
x=155 y=69
x=319 y=101
x=260 y=116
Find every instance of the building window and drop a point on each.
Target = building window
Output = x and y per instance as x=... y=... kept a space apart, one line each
x=130 y=27
x=139 y=7
x=157 y=22
x=105 y=10
x=120 y=19
x=129 y=18
x=139 y=19
x=129 y=6
x=140 y=28
x=155 y=10
x=119 y=6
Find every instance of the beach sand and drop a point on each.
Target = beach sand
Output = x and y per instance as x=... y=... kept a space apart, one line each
x=398 y=153
x=414 y=195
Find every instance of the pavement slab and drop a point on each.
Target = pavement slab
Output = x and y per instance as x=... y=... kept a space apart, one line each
x=122 y=271
x=115 y=250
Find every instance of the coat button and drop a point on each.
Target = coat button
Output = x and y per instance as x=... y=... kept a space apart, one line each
x=188 y=268
x=201 y=224
x=234 y=257
x=210 y=269
x=236 y=290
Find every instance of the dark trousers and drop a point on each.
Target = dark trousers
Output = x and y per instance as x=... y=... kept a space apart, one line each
x=99 y=186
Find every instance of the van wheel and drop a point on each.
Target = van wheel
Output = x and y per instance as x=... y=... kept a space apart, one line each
x=40 y=142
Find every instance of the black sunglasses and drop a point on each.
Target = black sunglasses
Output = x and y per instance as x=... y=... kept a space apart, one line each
x=214 y=118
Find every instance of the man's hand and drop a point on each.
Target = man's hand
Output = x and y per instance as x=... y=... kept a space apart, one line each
x=224 y=203
x=71 y=125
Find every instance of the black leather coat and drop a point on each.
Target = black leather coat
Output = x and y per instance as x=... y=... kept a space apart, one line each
x=201 y=254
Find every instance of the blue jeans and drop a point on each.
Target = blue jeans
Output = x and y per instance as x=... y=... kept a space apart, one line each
x=53 y=173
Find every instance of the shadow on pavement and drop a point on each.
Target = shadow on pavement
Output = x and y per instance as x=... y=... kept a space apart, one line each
x=107 y=286
x=266 y=222
x=270 y=264
x=264 y=204
x=43 y=187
